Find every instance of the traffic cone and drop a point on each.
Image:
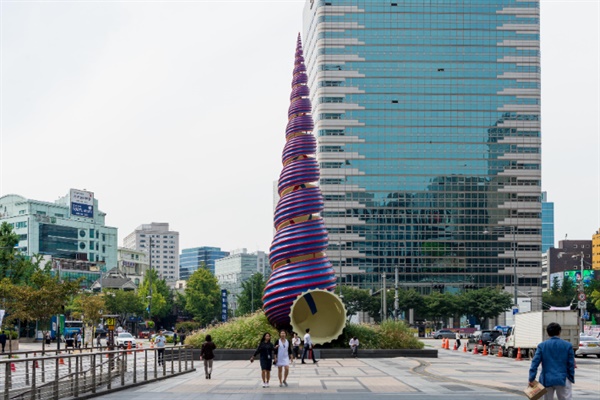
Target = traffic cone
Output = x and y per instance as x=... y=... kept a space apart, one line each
x=485 y=352
x=13 y=368
x=455 y=345
x=475 y=351
x=519 y=356
x=465 y=348
x=61 y=361
x=129 y=348
x=500 y=354
x=446 y=344
x=140 y=347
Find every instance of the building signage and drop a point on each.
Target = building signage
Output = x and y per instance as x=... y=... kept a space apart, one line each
x=82 y=203
x=224 y=305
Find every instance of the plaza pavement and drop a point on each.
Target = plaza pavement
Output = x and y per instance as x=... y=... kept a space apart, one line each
x=454 y=375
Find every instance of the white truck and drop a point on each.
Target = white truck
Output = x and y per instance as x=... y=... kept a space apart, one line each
x=529 y=330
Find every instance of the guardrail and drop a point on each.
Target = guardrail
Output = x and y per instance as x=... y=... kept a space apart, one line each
x=89 y=373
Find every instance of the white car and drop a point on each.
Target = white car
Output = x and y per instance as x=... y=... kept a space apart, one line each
x=588 y=345
x=123 y=339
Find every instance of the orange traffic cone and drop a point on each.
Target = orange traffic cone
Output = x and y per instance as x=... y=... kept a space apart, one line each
x=465 y=348
x=61 y=361
x=13 y=368
x=446 y=344
x=500 y=354
x=519 y=356
x=475 y=351
x=485 y=352
x=129 y=348
x=140 y=347
x=455 y=345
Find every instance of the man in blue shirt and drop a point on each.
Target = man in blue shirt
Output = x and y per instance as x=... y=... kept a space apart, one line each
x=558 y=365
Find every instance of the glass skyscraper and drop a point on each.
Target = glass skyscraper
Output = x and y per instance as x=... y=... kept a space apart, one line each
x=547 y=223
x=192 y=259
x=427 y=115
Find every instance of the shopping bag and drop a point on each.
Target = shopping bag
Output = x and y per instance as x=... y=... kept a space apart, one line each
x=535 y=392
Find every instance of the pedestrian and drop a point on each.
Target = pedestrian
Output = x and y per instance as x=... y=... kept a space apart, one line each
x=282 y=358
x=296 y=345
x=265 y=349
x=457 y=336
x=182 y=337
x=207 y=355
x=99 y=341
x=354 y=346
x=79 y=340
x=160 y=342
x=47 y=338
x=174 y=338
x=3 y=340
x=558 y=365
x=308 y=348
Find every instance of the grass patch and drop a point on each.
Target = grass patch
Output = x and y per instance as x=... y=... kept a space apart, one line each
x=245 y=333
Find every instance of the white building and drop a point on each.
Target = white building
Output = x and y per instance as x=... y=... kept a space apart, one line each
x=163 y=246
x=238 y=267
x=133 y=263
x=72 y=227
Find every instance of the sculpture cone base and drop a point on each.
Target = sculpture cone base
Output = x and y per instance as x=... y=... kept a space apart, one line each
x=320 y=311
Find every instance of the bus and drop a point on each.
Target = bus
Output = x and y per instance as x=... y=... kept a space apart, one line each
x=67 y=328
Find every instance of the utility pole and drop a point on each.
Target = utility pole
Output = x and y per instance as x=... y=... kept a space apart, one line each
x=396 y=305
x=383 y=298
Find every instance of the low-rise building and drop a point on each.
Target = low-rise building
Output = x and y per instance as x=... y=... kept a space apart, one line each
x=72 y=227
x=133 y=263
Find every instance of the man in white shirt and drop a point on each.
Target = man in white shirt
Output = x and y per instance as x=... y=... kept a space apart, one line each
x=354 y=346
x=160 y=341
x=308 y=347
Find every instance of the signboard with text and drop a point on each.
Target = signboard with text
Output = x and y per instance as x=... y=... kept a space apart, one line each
x=224 y=305
x=82 y=203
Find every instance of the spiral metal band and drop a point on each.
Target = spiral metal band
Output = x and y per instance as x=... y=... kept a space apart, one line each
x=297 y=254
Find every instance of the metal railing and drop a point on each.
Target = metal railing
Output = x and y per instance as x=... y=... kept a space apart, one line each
x=88 y=373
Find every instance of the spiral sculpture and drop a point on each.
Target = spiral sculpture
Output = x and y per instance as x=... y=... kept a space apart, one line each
x=299 y=292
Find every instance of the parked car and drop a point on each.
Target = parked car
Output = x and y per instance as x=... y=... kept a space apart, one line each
x=588 y=345
x=123 y=339
x=496 y=345
x=444 y=334
x=483 y=338
x=144 y=334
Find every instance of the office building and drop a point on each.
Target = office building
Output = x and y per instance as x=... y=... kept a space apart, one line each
x=72 y=228
x=236 y=268
x=192 y=259
x=427 y=116
x=161 y=244
x=547 y=223
x=566 y=260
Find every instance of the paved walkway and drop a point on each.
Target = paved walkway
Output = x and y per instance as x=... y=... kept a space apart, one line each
x=454 y=375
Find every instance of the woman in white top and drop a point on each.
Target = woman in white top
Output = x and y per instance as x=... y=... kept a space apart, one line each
x=282 y=358
x=354 y=346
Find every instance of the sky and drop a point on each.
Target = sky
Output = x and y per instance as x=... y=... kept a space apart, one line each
x=175 y=111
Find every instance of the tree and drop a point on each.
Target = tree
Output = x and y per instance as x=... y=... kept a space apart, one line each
x=203 y=296
x=14 y=265
x=359 y=300
x=250 y=298
x=440 y=306
x=45 y=296
x=124 y=303
x=559 y=295
x=161 y=303
x=487 y=303
x=90 y=307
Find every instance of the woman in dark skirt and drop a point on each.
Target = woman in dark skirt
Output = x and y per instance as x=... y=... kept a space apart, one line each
x=265 y=350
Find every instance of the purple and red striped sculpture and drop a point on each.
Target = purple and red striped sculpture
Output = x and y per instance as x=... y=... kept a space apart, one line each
x=299 y=292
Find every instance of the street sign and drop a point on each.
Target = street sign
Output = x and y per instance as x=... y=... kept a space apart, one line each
x=581 y=296
x=110 y=323
x=515 y=311
x=581 y=304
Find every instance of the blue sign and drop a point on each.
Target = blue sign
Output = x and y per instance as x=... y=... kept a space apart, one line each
x=82 y=210
x=515 y=311
x=224 y=305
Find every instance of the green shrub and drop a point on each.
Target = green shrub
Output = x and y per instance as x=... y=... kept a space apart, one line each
x=246 y=332
x=188 y=326
x=239 y=333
